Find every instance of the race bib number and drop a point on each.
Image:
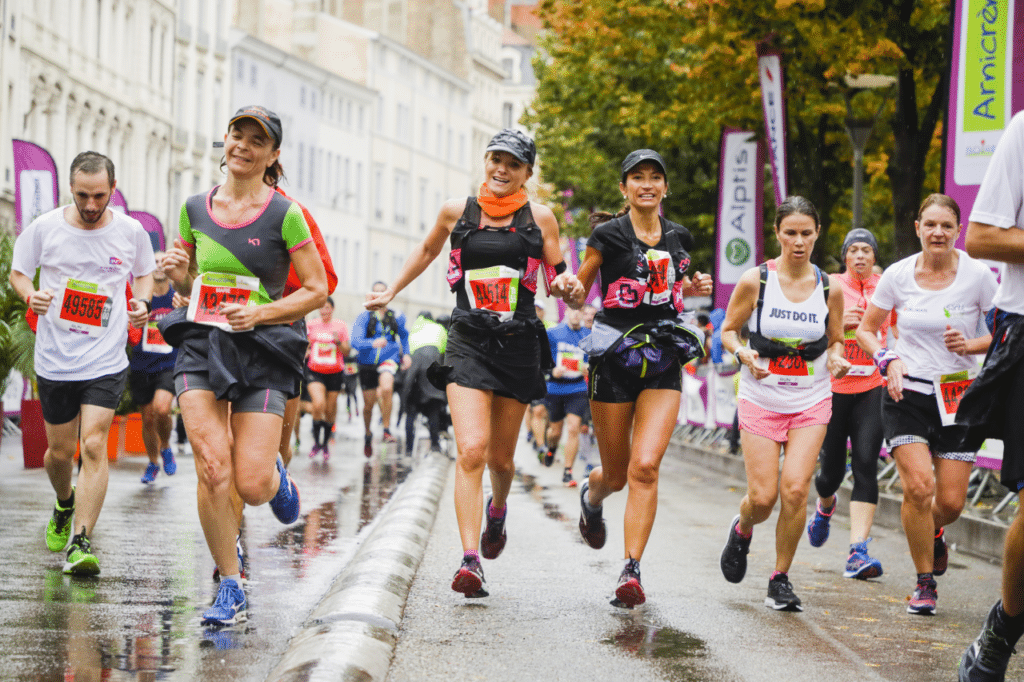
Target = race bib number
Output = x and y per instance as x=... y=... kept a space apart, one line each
x=325 y=353
x=661 y=279
x=949 y=389
x=790 y=371
x=863 y=365
x=495 y=289
x=571 y=362
x=211 y=291
x=85 y=308
x=153 y=340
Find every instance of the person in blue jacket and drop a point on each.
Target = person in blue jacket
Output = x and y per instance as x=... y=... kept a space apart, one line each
x=567 y=401
x=383 y=344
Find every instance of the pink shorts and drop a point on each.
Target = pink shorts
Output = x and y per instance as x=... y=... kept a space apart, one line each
x=775 y=425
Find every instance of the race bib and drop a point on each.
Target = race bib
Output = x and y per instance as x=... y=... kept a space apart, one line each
x=153 y=340
x=85 y=308
x=213 y=290
x=949 y=389
x=495 y=289
x=789 y=371
x=325 y=353
x=389 y=366
x=571 y=362
x=661 y=279
x=863 y=365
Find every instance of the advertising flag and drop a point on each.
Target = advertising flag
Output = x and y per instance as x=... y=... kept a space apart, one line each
x=739 y=242
x=153 y=226
x=35 y=183
x=769 y=71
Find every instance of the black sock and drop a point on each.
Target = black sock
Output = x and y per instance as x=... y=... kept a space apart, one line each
x=316 y=431
x=1012 y=626
x=68 y=503
x=925 y=576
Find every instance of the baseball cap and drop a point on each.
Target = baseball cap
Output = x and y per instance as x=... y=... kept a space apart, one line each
x=516 y=143
x=634 y=158
x=267 y=119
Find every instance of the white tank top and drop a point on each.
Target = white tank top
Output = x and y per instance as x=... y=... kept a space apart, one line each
x=793 y=385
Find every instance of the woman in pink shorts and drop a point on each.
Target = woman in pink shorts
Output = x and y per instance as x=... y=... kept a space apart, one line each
x=785 y=396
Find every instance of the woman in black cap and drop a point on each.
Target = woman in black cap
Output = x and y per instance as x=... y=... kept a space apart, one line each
x=500 y=242
x=856 y=414
x=637 y=347
x=239 y=359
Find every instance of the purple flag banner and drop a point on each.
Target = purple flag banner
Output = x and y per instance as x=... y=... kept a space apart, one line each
x=738 y=232
x=153 y=226
x=118 y=203
x=35 y=183
x=769 y=71
x=985 y=91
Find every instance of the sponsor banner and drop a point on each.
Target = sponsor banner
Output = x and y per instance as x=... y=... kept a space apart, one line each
x=153 y=226
x=118 y=203
x=988 y=49
x=769 y=71
x=739 y=242
x=35 y=183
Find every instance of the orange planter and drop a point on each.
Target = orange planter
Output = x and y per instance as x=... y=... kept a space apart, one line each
x=133 y=443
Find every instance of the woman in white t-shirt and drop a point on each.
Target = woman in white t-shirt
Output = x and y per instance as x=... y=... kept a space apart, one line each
x=785 y=396
x=939 y=296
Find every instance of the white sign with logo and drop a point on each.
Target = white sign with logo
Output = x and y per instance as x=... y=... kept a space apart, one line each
x=738 y=211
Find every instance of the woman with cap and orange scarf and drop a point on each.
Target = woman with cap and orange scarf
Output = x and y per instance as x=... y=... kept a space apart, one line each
x=497 y=348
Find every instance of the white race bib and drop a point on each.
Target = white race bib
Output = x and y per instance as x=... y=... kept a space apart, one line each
x=571 y=362
x=153 y=340
x=949 y=389
x=495 y=289
x=85 y=307
x=789 y=370
x=212 y=290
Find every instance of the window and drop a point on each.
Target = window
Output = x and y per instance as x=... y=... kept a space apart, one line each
x=342 y=260
x=252 y=76
x=200 y=102
x=302 y=97
x=302 y=158
x=401 y=197
x=424 y=209
x=358 y=191
x=179 y=98
x=348 y=183
x=506 y=115
x=462 y=149
x=240 y=71
x=378 y=192
x=424 y=125
x=355 y=264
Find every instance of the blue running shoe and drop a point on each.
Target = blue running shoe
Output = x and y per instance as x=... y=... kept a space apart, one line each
x=151 y=471
x=170 y=466
x=860 y=565
x=229 y=607
x=817 y=529
x=285 y=504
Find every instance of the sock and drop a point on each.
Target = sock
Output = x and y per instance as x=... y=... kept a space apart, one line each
x=471 y=554
x=821 y=509
x=80 y=536
x=68 y=503
x=237 y=578
x=925 y=577
x=1012 y=626
x=495 y=513
x=775 y=574
x=741 y=533
x=591 y=509
x=316 y=432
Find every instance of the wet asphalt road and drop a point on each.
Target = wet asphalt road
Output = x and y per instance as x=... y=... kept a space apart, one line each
x=140 y=618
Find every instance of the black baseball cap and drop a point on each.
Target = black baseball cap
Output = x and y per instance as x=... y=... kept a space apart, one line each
x=516 y=143
x=267 y=119
x=858 y=234
x=634 y=158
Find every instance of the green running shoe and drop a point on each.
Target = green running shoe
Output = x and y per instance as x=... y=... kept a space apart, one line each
x=58 y=529
x=81 y=560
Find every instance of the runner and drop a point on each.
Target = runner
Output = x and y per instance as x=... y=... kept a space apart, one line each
x=796 y=333
x=325 y=372
x=383 y=342
x=427 y=341
x=152 y=381
x=241 y=236
x=496 y=345
x=856 y=415
x=992 y=405
x=637 y=348
x=567 y=402
x=352 y=383
x=84 y=254
x=940 y=295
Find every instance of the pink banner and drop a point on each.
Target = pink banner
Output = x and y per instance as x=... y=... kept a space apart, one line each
x=35 y=183
x=738 y=229
x=153 y=226
x=773 y=102
x=118 y=203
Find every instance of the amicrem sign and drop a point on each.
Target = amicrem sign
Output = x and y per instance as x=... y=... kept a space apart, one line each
x=987 y=68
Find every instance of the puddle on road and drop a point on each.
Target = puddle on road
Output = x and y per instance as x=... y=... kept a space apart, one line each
x=536 y=491
x=678 y=654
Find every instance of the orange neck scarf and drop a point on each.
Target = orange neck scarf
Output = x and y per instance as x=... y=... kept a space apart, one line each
x=499 y=207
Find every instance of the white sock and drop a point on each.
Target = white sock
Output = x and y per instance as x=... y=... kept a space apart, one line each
x=237 y=578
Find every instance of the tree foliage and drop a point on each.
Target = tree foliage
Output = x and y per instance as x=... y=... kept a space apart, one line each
x=615 y=75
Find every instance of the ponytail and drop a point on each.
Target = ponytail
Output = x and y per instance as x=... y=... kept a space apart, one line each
x=599 y=217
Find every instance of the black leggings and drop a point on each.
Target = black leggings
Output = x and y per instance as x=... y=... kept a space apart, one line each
x=857 y=416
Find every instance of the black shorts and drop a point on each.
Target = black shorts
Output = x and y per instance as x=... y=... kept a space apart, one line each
x=254 y=399
x=568 y=403
x=917 y=416
x=369 y=375
x=144 y=385
x=304 y=392
x=332 y=382
x=611 y=383
x=61 y=401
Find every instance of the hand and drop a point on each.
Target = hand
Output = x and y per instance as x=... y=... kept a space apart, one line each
x=138 y=316
x=558 y=372
x=569 y=288
x=175 y=264
x=955 y=340
x=838 y=366
x=378 y=300
x=700 y=284
x=241 y=317
x=749 y=358
x=379 y=342
x=406 y=361
x=894 y=374
x=852 y=318
x=39 y=301
x=180 y=301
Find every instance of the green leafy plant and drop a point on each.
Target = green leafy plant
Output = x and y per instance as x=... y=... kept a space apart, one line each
x=17 y=342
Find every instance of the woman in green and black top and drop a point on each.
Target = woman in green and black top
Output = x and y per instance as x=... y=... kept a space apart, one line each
x=237 y=348
x=637 y=348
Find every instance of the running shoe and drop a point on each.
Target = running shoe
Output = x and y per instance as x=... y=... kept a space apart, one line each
x=58 y=529
x=860 y=565
x=170 y=466
x=81 y=560
x=922 y=602
x=548 y=457
x=326 y=452
x=630 y=592
x=229 y=607
x=333 y=428
x=469 y=579
x=368 y=445
x=592 y=526
x=941 y=553
x=492 y=540
x=781 y=596
x=151 y=471
x=241 y=561
x=314 y=452
x=734 y=554
x=285 y=504
x=388 y=438
x=567 y=480
x=988 y=656
x=817 y=529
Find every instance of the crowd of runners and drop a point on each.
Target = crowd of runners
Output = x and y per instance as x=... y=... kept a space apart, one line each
x=877 y=358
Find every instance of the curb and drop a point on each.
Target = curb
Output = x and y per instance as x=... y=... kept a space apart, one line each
x=969 y=534
x=351 y=634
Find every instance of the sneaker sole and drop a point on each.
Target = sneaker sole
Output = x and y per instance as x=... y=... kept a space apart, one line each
x=85 y=567
x=864 y=573
x=781 y=606
x=239 y=617
x=921 y=611
x=631 y=594
x=467 y=583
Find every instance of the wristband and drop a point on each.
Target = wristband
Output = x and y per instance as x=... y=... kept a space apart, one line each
x=560 y=268
x=883 y=357
x=148 y=303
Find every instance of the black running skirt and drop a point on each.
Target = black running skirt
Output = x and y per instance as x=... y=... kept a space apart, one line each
x=510 y=366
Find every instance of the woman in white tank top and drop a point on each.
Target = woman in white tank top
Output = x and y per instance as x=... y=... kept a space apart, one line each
x=785 y=396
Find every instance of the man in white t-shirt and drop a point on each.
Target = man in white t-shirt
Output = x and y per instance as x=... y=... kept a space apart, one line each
x=85 y=253
x=996 y=232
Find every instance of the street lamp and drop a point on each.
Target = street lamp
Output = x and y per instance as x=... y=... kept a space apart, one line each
x=859 y=130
